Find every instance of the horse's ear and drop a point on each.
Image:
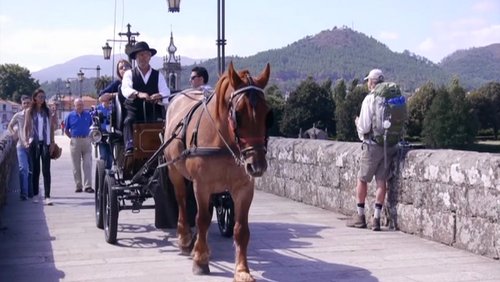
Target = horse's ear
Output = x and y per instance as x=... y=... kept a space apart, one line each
x=263 y=77
x=234 y=78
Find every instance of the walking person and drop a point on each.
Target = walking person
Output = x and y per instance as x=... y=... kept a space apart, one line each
x=77 y=128
x=372 y=158
x=16 y=126
x=39 y=129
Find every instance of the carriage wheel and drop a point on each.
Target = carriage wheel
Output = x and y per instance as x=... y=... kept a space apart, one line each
x=224 y=207
x=111 y=209
x=98 y=184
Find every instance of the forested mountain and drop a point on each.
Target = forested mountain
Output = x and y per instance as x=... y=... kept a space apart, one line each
x=348 y=54
x=476 y=65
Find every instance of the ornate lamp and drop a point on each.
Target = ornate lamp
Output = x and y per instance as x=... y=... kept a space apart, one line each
x=173 y=5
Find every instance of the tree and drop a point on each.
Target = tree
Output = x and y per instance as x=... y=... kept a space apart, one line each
x=276 y=102
x=418 y=106
x=348 y=108
x=449 y=123
x=485 y=102
x=309 y=104
x=16 y=81
x=101 y=82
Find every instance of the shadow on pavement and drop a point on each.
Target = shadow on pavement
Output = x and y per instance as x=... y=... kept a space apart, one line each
x=25 y=244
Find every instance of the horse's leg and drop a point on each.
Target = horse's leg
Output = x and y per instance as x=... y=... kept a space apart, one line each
x=242 y=201
x=201 y=252
x=184 y=236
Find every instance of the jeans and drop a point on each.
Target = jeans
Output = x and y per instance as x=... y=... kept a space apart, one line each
x=24 y=172
x=39 y=153
x=105 y=154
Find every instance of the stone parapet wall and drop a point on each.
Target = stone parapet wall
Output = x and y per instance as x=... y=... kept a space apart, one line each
x=8 y=165
x=448 y=196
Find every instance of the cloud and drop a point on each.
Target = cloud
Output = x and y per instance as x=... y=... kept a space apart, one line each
x=486 y=6
x=426 y=45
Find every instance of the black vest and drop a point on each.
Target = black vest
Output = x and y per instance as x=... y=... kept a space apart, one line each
x=140 y=110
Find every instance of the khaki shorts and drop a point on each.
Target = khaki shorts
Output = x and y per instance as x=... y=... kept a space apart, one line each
x=372 y=162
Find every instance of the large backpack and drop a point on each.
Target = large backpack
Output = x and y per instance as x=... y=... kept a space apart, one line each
x=389 y=114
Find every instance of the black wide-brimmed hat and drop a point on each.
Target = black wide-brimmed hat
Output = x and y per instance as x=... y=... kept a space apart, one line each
x=141 y=46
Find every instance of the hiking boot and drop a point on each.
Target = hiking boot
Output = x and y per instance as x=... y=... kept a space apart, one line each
x=376 y=224
x=357 y=221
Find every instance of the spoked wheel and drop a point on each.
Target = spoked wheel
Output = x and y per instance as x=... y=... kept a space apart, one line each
x=98 y=185
x=111 y=209
x=224 y=208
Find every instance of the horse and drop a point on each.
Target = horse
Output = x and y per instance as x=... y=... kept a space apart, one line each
x=219 y=142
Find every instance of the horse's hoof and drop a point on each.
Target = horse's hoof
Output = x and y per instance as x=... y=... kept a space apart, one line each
x=202 y=269
x=243 y=277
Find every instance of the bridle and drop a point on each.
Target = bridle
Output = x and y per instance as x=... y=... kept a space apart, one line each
x=248 y=143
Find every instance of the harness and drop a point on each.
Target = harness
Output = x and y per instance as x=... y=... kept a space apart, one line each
x=195 y=151
x=180 y=132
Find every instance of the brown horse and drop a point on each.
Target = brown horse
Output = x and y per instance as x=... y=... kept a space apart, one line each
x=220 y=144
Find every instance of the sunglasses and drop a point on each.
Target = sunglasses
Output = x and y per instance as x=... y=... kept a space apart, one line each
x=193 y=77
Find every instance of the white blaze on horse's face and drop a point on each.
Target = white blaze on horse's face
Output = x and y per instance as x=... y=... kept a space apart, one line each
x=248 y=114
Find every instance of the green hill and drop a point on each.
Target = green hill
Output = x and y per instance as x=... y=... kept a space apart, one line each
x=476 y=66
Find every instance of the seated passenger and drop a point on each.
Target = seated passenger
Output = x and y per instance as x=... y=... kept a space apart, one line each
x=199 y=79
x=109 y=94
x=145 y=90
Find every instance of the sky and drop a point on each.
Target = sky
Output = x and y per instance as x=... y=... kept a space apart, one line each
x=38 y=34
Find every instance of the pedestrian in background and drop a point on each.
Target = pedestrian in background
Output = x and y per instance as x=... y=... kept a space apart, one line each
x=16 y=127
x=39 y=128
x=77 y=128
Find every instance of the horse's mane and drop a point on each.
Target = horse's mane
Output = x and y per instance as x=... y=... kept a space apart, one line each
x=221 y=89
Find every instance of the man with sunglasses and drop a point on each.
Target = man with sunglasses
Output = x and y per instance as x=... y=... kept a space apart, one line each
x=199 y=79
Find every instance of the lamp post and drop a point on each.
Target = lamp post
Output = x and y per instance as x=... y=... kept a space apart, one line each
x=221 y=40
x=80 y=75
x=173 y=6
x=106 y=49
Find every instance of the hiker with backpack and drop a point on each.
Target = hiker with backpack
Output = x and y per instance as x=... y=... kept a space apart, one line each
x=380 y=126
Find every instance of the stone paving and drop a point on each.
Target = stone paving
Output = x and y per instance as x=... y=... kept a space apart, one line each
x=290 y=241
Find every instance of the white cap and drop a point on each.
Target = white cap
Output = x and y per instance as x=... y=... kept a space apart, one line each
x=375 y=74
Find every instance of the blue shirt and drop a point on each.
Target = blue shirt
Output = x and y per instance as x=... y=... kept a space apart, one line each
x=106 y=115
x=78 y=124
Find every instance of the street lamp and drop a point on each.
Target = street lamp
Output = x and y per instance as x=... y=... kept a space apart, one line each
x=80 y=75
x=106 y=50
x=173 y=5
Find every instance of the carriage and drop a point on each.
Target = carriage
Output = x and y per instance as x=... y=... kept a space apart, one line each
x=140 y=175
x=215 y=146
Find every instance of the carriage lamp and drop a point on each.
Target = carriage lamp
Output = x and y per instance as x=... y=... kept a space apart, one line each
x=95 y=133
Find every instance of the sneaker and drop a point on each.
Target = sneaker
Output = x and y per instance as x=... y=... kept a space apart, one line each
x=47 y=202
x=357 y=221
x=24 y=198
x=376 y=224
x=78 y=190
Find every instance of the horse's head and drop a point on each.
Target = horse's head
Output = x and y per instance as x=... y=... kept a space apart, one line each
x=241 y=100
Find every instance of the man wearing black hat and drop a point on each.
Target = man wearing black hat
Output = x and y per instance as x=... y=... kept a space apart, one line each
x=146 y=91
